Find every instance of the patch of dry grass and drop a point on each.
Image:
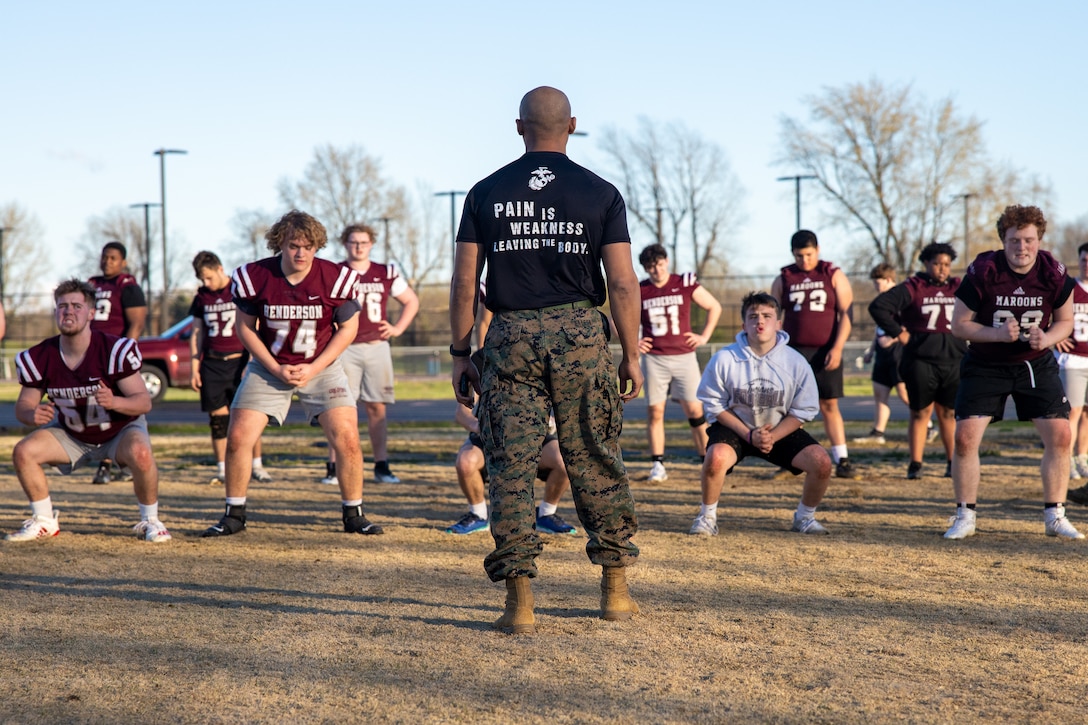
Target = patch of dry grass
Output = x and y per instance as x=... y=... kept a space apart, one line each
x=293 y=621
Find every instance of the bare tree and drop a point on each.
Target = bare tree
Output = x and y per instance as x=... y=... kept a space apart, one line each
x=341 y=186
x=890 y=163
x=249 y=227
x=679 y=188
x=1063 y=240
x=24 y=255
x=419 y=244
x=122 y=225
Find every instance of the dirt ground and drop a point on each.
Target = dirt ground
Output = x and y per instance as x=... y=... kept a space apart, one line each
x=294 y=621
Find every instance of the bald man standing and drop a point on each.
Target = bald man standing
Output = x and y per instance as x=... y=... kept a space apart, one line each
x=545 y=225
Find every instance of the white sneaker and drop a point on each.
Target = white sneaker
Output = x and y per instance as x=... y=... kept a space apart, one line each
x=1081 y=464
x=37 y=527
x=261 y=476
x=962 y=524
x=657 y=472
x=873 y=437
x=932 y=434
x=331 y=481
x=152 y=530
x=807 y=526
x=1074 y=474
x=704 y=526
x=1060 y=526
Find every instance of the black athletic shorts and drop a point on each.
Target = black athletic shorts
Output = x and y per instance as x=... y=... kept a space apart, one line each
x=781 y=455
x=1034 y=385
x=219 y=381
x=929 y=383
x=886 y=365
x=828 y=382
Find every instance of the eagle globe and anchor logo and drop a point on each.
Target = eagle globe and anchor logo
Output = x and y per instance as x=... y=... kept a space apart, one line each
x=540 y=178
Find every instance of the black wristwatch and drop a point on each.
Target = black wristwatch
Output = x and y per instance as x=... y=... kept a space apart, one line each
x=460 y=353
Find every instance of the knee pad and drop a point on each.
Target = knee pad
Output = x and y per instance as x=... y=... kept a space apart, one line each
x=696 y=422
x=219 y=425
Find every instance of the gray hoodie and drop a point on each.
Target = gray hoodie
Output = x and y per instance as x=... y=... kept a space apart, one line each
x=759 y=390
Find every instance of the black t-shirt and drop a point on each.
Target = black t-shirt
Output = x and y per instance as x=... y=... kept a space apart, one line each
x=541 y=222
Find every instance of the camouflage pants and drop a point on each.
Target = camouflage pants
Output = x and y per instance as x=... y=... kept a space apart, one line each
x=558 y=360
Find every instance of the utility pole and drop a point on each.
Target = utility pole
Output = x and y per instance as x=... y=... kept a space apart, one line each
x=161 y=153
x=797 y=191
x=147 y=244
x=453 y=223
x=966 y=230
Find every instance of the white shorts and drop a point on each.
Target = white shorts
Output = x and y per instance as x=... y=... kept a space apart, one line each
x=675 y=374
x=81 y=454
x=1075 y=382
x=369 y=367
x=264 y=392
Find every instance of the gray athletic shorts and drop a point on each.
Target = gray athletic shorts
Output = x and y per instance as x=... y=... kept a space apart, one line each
x=369 y=367
x=1075 y=382
x=264 y=392
x=678 y=374
x=82 y=454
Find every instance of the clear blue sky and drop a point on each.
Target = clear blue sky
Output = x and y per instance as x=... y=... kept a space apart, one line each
x=89 y=90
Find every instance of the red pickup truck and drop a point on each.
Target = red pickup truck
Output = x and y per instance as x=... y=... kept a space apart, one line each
x=167 y=361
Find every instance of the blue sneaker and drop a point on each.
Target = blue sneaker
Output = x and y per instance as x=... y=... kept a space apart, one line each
x=554 y=525
x=468 y=524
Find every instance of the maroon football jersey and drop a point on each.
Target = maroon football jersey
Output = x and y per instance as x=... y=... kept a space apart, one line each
x=1002 y=294
x=931 y=305
x=808 y=303
x=374 y=288
x=294 y=321
x=216 y=311
x=108 y=359
x=112 y=295
x=1080 y=320
x=666 y=313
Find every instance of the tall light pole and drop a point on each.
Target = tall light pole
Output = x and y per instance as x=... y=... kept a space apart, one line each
x=147 y=243
x=3 y=356
x=453 y=223
x=966 y=246
x=797 y=191
x=385 y=233
x=2 y=230
x=161 y=153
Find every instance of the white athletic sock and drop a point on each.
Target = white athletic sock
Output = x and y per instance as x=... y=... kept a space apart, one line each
x=838 y=453
x=805 y=512
x=353 y=502
x=42 y=508
x=257 y=465
x=546 y=509
x=479 y=510
x=221 y=469
x=709 y=510
x=236 y=500
x=148 y=511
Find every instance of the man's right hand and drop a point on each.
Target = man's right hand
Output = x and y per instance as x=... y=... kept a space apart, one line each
x=630 y=380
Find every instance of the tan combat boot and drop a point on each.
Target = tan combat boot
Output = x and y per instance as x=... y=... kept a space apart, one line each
x=616 y=604
x=518 y=617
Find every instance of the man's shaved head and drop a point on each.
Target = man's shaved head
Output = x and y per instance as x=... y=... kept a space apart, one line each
x=545 y=112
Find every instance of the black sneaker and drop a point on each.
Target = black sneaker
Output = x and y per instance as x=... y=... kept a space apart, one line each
x=914 y=471
x=1078 y=495
x=355 y=522
x=845 y=469
x=382 y=474
x=948 y=470
x=102 y=475
x=233 y=521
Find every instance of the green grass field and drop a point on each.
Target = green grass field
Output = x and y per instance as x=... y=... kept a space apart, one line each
x=410 y=388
